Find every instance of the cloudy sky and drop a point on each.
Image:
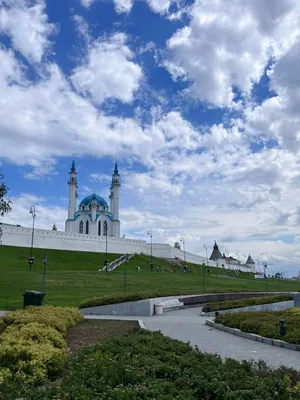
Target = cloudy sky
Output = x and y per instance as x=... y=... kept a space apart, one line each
x=198 y=101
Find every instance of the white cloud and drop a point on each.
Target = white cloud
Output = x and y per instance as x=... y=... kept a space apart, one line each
x=108 y=71
x=46 y=214
x=87 y=3
x=26 y=23
x=228 y=45
x=123 y=6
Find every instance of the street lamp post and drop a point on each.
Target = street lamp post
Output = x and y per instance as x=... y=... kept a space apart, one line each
x=183 y=243
x=44 y=276
x=226 y=251
x=125 y=274
x=266 y=279
x=31 y=258
x=203 y=282
x=151 y=262
x=106 y=260
x=1 y=233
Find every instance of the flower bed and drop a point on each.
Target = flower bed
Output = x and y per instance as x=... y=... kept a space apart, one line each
x=32 y=343
x=265 y=323
x=239 y=303
x=147 y=365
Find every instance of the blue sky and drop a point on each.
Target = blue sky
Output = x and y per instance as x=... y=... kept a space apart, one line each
x=197 y=101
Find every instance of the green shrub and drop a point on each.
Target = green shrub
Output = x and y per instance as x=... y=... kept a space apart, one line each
x=32 y=345
x=239 y=303
x=147 y=365
x=265 y=323
x=2 y=325
x=57 y=317
x=122 y=298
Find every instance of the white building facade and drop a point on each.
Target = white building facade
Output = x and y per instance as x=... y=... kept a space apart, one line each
x=93 y=216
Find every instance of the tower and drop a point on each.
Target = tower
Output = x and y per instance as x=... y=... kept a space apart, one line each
x=114 y=201
x=72 y=192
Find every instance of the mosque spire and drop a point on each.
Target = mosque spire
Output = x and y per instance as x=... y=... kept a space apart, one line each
x=73 y=169
x=116 y=171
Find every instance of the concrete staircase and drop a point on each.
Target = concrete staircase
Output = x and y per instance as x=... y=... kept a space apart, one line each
x=113 y=265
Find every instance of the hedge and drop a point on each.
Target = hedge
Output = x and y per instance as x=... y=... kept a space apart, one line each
x=253 y=301
x=147 y=365
x=265 y=323
x=32 y=343
x=122 y=298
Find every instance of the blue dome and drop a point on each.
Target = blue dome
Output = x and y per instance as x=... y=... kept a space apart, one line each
x=88 y=199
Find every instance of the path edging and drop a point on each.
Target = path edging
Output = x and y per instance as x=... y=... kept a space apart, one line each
x=141 y=324
x=252 y=336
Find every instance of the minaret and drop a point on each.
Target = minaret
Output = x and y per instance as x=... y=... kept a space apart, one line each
x=72 y=192
x=114 y=200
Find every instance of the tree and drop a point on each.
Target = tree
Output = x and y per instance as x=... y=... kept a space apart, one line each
x=5 y=205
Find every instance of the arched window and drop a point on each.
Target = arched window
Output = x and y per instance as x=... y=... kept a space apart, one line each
x=87 y=227
x=81 y=227
x=105 y=228
x=99 y=228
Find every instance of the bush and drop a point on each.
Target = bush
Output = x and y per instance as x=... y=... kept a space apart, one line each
x=239 y=303
x=32 y=344
x=56 y=317
x=148 y=365
x=265 y=323
x=122 y=298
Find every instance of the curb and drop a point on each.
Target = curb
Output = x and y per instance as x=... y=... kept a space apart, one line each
x=252 y=336
x=141 y=324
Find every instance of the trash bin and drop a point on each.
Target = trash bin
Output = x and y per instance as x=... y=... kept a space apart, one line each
x=33 y=298
x=158 y=309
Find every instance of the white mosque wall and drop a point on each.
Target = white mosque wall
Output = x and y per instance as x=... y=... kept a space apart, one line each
x=13 y=235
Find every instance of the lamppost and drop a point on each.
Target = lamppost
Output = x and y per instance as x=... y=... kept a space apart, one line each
x=203 y=266
x=203 y=282
x=31 y=258
x=151 y=262
x=206 y=254
x=183 y=243
x=44 y=276
x=125 y=274
x=1 y=233
x=226 y=251
x=106 y=260
x=266 y=279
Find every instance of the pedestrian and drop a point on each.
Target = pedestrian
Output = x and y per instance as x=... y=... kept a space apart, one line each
x=157 y=268
x=163 y=269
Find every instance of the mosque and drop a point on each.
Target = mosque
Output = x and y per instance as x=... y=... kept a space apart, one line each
x=93 y=216
x=95 y=227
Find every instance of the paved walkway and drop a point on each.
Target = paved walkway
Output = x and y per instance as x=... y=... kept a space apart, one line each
x=188 y=326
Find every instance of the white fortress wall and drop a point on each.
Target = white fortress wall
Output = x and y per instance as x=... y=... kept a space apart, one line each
x=13 y=235
x=46 y=239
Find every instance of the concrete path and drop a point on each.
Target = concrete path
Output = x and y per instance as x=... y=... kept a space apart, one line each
x=188 y=326
x=2 y=313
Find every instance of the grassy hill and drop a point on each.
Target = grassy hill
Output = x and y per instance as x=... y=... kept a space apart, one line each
x=73 y=276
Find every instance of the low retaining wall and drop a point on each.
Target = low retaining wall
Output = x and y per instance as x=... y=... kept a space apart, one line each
x=282 y=305
x=134 y=308
x=252 y=336
x=146 y=307
x=207 y=298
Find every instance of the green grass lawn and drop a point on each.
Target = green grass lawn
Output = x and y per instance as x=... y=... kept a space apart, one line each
x=73 y=277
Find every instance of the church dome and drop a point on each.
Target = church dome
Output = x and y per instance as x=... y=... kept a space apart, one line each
x=88 y=200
